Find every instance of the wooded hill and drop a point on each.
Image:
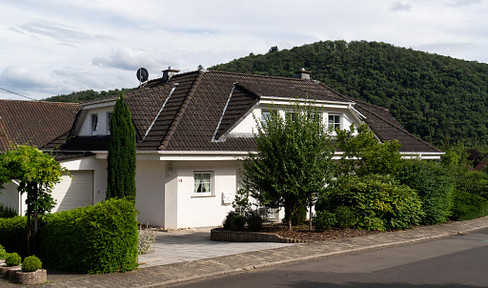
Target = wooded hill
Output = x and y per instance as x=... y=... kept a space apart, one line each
x=440 y=99
x=86 y=95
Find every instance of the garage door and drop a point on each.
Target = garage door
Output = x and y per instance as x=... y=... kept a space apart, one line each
x=73 y=192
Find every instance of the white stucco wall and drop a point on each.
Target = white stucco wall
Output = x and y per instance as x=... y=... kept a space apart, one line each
x=10 y=197
x=200 y=211
x=150 y=186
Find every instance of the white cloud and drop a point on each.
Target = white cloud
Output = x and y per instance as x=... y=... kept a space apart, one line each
x=52 y=47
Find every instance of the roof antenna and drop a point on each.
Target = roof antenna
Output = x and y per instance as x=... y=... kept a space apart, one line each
x=142 y=75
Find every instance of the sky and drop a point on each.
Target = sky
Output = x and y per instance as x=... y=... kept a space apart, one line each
x=52 y=47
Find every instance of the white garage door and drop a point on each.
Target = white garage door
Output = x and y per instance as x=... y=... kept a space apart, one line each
x=73 y=192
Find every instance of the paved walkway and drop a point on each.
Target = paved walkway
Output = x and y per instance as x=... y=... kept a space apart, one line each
x=157 y=276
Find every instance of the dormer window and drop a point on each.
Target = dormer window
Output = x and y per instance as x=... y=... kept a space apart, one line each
x=334 y=122
x=109 y=119
x=265 y=116
x=94 y=122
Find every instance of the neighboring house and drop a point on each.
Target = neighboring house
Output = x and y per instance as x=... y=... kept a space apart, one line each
x=193 y=129
x=33 y=123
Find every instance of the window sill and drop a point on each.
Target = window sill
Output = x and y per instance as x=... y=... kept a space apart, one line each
x=202 y=196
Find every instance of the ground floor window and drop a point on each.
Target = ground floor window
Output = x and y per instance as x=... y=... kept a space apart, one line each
x=202 y=183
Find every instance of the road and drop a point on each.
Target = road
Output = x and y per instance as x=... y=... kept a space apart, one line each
x=457 y=261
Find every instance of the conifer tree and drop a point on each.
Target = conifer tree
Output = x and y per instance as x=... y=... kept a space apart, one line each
x=121 y=153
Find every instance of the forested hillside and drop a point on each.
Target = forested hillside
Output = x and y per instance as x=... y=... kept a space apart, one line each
x=83 y=96
x=441 y=99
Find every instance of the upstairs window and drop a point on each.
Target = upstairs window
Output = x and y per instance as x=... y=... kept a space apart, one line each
x=265 y=115
x=109 y=119
x=94 y=122
x=334 y=122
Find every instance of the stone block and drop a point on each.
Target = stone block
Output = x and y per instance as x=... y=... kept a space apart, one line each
x=31 y=278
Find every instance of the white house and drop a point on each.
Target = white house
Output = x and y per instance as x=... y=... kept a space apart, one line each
x=192 y=130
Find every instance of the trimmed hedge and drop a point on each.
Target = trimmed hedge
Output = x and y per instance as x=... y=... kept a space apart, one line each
x=470 y=196
x=94 y=239
x=433 y=184
x=13 y=234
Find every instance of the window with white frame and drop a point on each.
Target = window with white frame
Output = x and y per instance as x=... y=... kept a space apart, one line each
x=94 y=122
x=265 y=115
x=109 y=119
x=334 y=122
x=203 y=183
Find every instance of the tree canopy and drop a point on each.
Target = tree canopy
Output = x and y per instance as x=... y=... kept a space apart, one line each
x=293 y=162
x=36 y=173
x=440 y=99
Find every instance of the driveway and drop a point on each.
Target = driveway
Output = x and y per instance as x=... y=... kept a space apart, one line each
x=189 y=245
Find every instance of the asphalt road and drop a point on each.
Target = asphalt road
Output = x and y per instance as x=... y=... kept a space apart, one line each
x=458 y=261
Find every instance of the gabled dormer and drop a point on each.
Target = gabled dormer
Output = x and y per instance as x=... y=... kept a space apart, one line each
x=94 y=118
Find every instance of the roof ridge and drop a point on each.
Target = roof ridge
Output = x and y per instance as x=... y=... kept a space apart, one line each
x=258 y=75
x=181 y=111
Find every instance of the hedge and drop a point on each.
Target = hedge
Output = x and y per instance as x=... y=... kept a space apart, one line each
x=433 y=184
x=13 y=234
x=96 y=239
x=470 y=196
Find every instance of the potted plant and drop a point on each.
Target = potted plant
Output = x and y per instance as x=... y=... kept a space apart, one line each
x=31 y=272
x=12 y=262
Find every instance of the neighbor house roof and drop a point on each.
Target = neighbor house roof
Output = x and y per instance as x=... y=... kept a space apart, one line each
x=33 y=122
x=194 y=111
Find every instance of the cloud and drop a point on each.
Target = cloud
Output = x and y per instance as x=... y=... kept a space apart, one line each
x=458 y=3
x=19 y=78
x=57 y=31
x=398 y=6
x=131 y=59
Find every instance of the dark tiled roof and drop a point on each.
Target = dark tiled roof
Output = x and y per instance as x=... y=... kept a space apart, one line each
x=33 y=122
x=192 y=112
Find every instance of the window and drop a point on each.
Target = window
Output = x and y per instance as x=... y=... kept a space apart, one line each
x=94 y=122
x=109 y=119
x=334 y=122
x=265 y=115
x=203 y=183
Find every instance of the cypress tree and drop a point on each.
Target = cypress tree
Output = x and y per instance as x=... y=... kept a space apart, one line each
x=121 y=153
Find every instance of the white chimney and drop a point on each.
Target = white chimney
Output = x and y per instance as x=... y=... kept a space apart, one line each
x=168 y=73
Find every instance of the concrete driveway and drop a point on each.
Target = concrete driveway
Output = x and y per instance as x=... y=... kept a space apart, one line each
x=188 y=245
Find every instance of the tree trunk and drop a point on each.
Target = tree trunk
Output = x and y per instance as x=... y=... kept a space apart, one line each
x=310 y=217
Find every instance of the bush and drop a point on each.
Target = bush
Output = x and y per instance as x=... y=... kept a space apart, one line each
x=234 y=221
x=12 y=259
x=31 y=264
x=471 y=196
x=7 y=212
x=254 y=221
x=345 y=217
x=434 y=186
x=13 y=234
x=378 y=202
x=95 y=239
x=3 y=253
x=324 y=220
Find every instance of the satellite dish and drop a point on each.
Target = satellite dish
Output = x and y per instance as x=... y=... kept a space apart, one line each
x=142 y=75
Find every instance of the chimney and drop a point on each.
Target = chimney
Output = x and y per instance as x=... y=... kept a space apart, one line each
x=302 y=74
x=168 y=73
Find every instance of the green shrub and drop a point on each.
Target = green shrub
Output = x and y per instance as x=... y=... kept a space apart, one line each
x=470 y=196
x=7 y=212
x=345 y=217
x=13 y=234
x=234 y=221
x=254 y=221
x=96 y=239
x=31 y=264
x=3 y=253
x=378 y=202
x=12 y=259
x=433 y=184
x=324 y=220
